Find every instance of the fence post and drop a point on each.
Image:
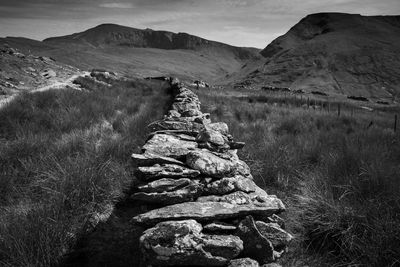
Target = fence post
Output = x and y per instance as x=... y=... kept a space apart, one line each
x=395 y=123
x=308 y=102
x=338 y=110
x=329 y=107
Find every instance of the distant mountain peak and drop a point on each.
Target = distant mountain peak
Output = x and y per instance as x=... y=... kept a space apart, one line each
x=108 y=34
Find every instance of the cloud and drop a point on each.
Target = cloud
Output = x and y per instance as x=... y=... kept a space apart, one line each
x=117 y=5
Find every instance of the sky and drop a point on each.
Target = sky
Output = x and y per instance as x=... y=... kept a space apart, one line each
x=252 y=23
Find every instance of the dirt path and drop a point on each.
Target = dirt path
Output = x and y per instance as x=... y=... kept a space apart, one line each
x=55 y=84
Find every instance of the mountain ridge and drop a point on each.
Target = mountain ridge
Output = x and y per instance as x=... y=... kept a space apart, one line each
x=109 y=34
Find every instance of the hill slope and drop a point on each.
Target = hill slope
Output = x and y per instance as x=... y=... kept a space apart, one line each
x=336 y=53
x=135 y=52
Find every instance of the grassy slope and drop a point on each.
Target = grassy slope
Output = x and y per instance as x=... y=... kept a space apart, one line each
x=338 y=177
x=207 y=64
x=64 y=156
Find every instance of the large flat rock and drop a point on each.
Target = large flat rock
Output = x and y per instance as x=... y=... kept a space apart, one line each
x=149 y=159
x=209 y=211
x=186 y=126
x=169 y=146
x=188 y=193
x=165 y=171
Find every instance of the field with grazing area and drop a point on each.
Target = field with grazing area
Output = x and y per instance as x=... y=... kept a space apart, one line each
x=64 y=158
x=339 y=176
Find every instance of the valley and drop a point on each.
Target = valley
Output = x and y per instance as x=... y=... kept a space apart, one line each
x=109 y=156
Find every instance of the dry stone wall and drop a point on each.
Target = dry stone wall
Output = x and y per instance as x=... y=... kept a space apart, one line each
x=209 y=210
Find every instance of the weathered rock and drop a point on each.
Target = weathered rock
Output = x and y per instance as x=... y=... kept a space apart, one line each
x=243 y=262
x=169 y=146
x=236 y=198
x=181 y=243
x=165 y=171
x=183 y=106
x=165 y=185
x=274 y=233
x=181 y=134
x=219 y=227
x=230 y=184
x=192 y=113
x=212 y=136
x=188 y=193
x=221 y=127
x=278 y=220
x=208 y=211
x=173 y=113
x=149 y=159
x=256 y=246
x=188 y=126
x=236 y=145
x=215 y=165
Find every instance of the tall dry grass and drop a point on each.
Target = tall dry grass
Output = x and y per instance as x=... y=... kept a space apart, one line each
x=64 y=155
x=339 y=176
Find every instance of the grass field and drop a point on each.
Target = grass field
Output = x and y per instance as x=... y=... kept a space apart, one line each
x=339 y=176
x=64 y=156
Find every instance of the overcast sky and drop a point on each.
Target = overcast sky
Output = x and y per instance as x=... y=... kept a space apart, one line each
x=238 y=22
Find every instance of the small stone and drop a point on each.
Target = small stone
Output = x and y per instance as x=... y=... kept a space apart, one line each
x=256 y=246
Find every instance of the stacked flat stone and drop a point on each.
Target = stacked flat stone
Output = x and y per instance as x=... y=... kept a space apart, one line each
x=209 y=211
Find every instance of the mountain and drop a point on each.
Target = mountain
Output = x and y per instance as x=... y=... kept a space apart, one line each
x=136 y=52
x=336 y=53
x=116 y=35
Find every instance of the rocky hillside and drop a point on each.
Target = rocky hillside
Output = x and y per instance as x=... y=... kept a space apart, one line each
x=335 y=53
x=20 y=71
x=142 y=53
x=115 y=35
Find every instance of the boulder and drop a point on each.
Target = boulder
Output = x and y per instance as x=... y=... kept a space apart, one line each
x=208 y=211
x=169 y=146
x=165 y=185
x=217 y=165
x=221 y=127
x=149 y=159
x=243 y=262
x=230 y=184
x=188 y=193
x=185 y=105
x=256 y=246
x=181 y=243
x=274 y=233
x=212 y=140
x=165 y=171
x=187 y=126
